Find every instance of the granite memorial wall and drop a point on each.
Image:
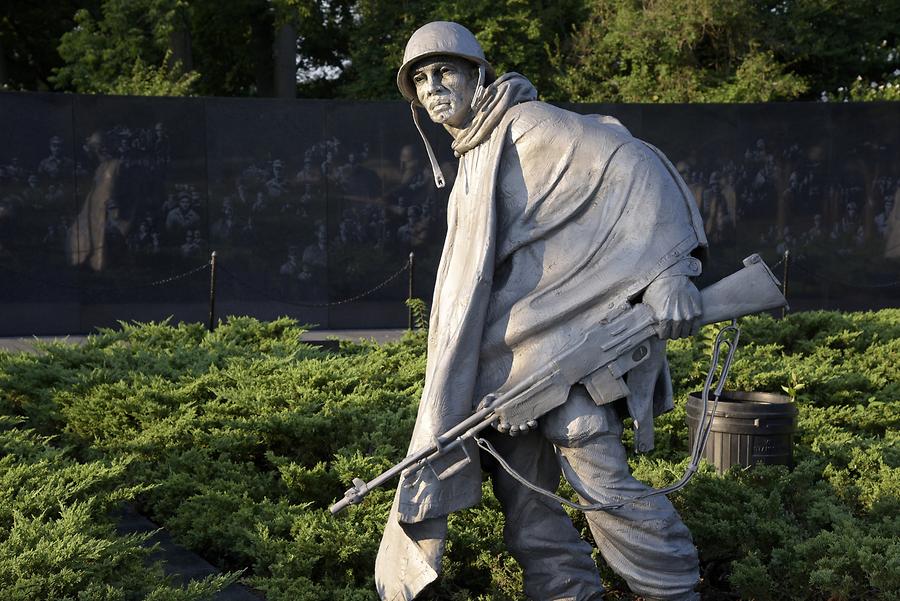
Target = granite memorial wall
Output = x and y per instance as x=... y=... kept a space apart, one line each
x=111 y=206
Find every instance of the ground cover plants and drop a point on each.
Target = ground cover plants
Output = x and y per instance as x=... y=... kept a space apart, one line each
x=238 y=440
x=57 y=534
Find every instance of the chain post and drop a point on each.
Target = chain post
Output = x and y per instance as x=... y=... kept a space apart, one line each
x=212 y=291
x=412 y=263
x=784 y=279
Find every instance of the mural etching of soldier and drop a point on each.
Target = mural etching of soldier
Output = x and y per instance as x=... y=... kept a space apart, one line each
x=86 y=241
x=552 y=216
x=127 y=198
x=891 y=221
x=55 y=165
x=183 y=217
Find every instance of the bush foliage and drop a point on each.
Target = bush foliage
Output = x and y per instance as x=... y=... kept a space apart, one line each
x=238 y=441
x=57 y=536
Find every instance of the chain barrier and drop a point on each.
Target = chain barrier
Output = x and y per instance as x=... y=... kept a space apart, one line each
x=774 y=265
x=821 y=278
x=344 y=301
x=173 y=278
x=205 y=266
x=793 y=262
x=90 y=287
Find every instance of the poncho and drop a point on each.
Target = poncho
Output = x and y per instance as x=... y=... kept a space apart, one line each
x=555 y=219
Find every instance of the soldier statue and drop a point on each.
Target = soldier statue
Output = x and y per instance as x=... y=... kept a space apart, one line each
x=552 y=215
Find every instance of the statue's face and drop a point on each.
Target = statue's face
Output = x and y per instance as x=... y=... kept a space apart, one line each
x=445 y=86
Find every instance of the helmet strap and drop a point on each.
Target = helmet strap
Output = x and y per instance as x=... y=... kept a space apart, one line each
x=435 y=168
x=479 y=88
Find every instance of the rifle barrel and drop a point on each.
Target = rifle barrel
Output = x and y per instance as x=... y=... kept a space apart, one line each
x=452 y=438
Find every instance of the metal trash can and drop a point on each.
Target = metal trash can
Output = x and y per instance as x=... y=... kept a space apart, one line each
x=748 y=428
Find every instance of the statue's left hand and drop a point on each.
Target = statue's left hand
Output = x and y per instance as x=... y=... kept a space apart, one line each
x=676 y=304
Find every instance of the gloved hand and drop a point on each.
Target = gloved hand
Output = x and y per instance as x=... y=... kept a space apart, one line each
x=676 y=303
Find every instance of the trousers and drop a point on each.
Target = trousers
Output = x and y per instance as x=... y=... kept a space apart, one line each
x=645 y=542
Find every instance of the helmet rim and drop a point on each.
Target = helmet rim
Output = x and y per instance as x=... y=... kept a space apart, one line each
x=426 y=35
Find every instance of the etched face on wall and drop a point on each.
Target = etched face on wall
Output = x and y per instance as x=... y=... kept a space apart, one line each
x=445 y=86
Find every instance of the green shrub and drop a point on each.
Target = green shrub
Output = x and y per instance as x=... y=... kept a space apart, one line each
x=239 y=440
x=57 y=536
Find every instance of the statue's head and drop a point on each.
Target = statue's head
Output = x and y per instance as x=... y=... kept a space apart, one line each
x=443 y=67
x=444 y=71
x=445 y=87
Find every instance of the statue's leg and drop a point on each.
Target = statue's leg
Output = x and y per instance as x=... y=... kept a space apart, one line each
x=556 y=562
x=645 y=541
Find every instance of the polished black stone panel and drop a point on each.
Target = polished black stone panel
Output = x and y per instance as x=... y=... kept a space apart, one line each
x=142 y=207
x=816 y=180
x=111 y=206
x=38 y=203
x=383 y=205
x=858 y=263
x=700 y=142
x=268 y=173
x=629 y=115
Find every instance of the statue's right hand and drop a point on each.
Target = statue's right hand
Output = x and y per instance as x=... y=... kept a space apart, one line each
x=515 y=430
x=676 y=304
x=501 y=425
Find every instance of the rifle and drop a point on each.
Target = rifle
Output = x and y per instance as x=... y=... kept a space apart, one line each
x=599 y=360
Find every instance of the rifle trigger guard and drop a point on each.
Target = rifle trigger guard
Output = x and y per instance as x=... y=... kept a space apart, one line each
x=453 y=469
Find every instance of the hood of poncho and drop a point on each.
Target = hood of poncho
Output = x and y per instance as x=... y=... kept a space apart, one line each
x=509 y=90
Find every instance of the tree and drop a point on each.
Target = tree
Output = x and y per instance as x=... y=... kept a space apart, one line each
x=677 y=51
x=229 y=44
x=119 y=49
x=323 y=30
x=165 y=80
x=861 y=90
x=833 y=43
x=573 y=50
x=29 y=35
x=726 y=50
x=517 y=35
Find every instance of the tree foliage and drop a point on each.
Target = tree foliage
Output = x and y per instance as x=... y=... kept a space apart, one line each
x=229 y=44
x=573 y=50
x=144 y=80
x=727 y=50
x=679 y=51
x=119 y=53
x=516 y=36
x=29 y=36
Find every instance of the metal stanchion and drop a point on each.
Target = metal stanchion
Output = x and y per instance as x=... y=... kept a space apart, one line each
x=412 y=262
x=784 y=280
x=212 y=292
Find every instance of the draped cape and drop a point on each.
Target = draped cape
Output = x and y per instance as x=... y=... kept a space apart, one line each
x=555 y=220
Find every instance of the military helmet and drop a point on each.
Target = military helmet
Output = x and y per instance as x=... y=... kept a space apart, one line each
x=436 y=39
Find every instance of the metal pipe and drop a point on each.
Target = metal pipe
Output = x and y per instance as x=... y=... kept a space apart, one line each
x=784 y=281
x=212 y=292
x=411 y=266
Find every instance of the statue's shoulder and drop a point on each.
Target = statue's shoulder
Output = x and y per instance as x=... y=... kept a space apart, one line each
x=537 y=115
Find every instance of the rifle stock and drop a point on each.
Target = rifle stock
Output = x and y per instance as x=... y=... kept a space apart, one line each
x=752 y=289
